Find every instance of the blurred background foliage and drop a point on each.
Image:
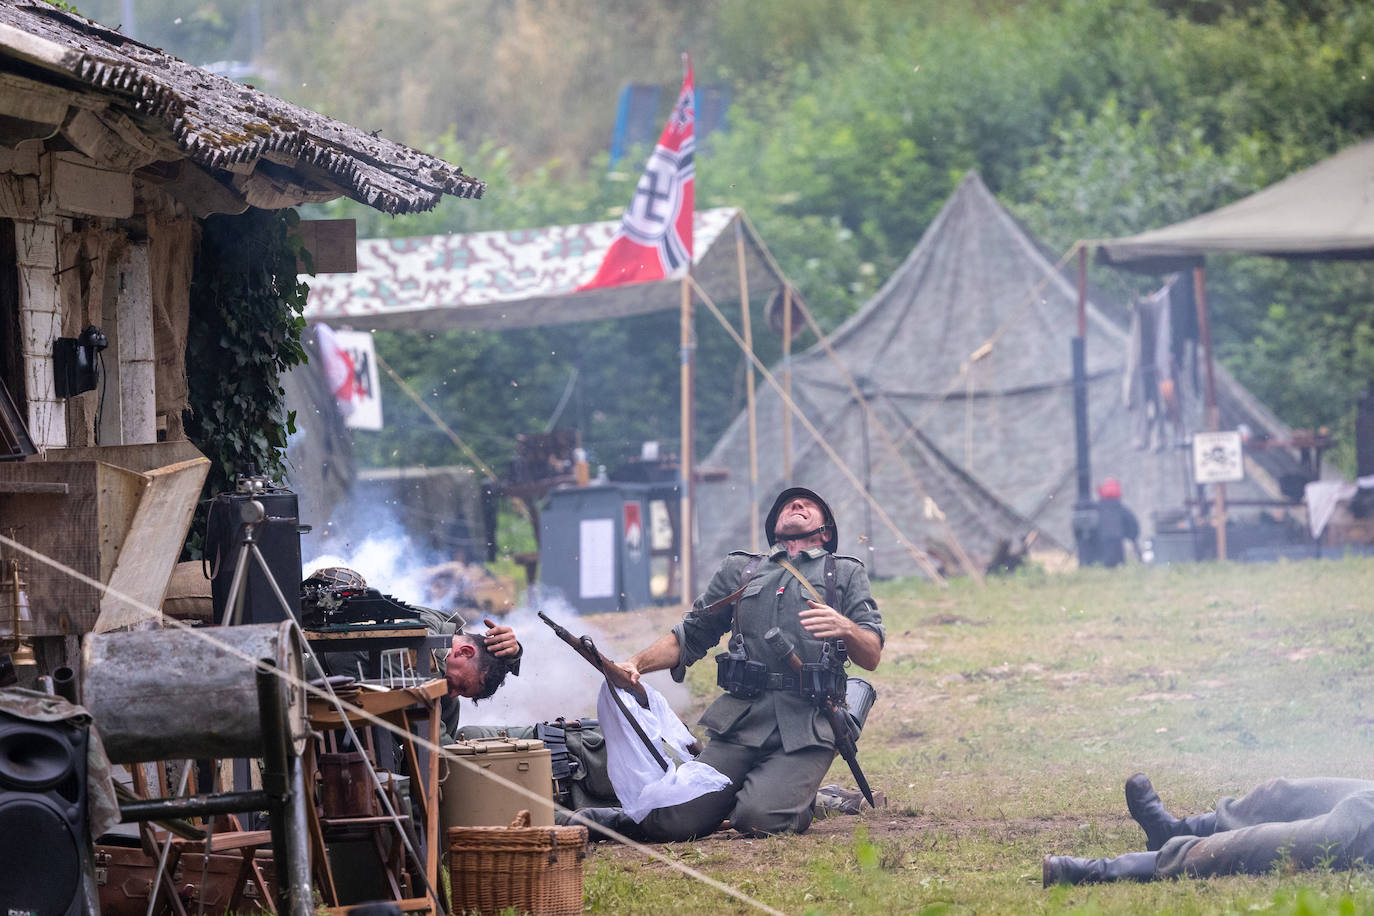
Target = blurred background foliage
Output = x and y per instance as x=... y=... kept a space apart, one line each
x=851 y=122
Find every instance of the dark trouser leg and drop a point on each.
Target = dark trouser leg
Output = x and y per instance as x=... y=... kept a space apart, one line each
x=771 y=791
x=703 y=815
x=1287 y=800
x=1341 y=837
x=1133 y=866
x=780 y=791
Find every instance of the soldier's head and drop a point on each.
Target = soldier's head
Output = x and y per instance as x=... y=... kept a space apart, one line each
x=471 y=669
x=801 y=517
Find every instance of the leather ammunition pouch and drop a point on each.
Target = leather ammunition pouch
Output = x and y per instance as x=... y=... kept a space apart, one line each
x=823 y=681
x=740 y=676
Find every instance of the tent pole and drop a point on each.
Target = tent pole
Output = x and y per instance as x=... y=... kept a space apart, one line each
x=1213 y=412
x=787 y=383
x=686 y=577
x=1084 y=509
x=749 y=391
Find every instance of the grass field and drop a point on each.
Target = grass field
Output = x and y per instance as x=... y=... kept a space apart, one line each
x=1010 y=715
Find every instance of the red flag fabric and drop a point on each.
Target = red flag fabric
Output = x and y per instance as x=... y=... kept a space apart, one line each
x=655 y=237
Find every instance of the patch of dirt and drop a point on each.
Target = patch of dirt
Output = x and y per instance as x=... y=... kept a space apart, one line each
x=883 y=825
x=949 y=620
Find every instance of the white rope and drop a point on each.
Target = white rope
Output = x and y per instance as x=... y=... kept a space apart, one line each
x=206 y=633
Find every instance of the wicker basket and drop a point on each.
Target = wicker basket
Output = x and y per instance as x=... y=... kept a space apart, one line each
x=529 y=869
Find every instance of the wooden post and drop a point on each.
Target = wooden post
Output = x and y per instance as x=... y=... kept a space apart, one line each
x=685 y=479
x=749 y=391
x=787 y=384
x=1213 y=412
x=1084 y=509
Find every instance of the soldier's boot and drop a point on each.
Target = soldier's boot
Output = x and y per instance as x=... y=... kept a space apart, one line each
x=613 y=818
x=1159 y=825
x=1133 y=866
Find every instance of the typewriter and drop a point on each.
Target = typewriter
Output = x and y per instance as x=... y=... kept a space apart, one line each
x=328 y=607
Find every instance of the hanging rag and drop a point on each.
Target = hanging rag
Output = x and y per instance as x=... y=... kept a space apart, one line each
x=640 y=782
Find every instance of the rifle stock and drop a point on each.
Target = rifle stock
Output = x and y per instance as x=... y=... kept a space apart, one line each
x=584 y=647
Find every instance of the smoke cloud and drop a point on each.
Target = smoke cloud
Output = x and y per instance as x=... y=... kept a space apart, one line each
x=554 y=680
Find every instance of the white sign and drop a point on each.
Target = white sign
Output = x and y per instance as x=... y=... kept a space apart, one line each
x=596 y=558
x=357 y=389
x=1218 y=457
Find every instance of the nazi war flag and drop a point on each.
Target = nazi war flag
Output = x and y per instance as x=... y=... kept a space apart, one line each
x=655 y=237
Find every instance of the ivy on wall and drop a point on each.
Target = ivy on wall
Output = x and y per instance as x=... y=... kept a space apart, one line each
x=245 y=330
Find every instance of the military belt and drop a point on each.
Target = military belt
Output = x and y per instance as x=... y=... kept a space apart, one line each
x=778 y=681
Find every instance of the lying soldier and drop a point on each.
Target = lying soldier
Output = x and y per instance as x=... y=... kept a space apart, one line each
x=1304 y=822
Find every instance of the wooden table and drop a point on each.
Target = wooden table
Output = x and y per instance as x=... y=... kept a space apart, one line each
x=375 y=640
x=398 y=707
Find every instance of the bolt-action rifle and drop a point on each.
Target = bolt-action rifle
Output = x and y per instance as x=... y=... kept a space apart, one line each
x=827 y=703
x=584 y=647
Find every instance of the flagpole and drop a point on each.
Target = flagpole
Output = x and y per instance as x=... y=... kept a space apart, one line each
x=688 y=577
x=748 y=389
x=786 y=383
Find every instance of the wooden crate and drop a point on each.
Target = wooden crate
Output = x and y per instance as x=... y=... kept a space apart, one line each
x=117 y=515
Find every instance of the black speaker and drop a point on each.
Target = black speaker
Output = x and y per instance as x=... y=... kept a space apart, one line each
x=44 y=843
x=278 y=537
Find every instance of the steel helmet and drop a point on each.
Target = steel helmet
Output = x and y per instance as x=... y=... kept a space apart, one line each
x=831 y=542
x=336 y=577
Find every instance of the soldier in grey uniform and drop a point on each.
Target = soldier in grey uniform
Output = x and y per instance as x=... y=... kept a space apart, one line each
x=776 y=746
x=1305 y=822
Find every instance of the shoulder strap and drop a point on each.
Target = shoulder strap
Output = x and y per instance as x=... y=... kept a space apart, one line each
x=806 y=583
x=831 y=587
x=745 y=575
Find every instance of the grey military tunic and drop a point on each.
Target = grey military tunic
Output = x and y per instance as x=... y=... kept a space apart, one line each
x=777 y=747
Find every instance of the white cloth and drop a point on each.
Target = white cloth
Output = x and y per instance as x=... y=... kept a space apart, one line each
x=640 y=783
x=1323 y=496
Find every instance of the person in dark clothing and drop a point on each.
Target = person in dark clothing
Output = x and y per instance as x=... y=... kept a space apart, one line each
x=1306 y=822
x=1116 y=524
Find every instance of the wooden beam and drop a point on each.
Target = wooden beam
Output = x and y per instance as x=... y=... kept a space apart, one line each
x=19 y=197
x=190 y=185
x=112 y=141
x=268 y=192
x=80 y=187
x=30 y=100
x=332 y=243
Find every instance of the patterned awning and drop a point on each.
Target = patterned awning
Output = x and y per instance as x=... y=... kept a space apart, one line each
x=525 y=278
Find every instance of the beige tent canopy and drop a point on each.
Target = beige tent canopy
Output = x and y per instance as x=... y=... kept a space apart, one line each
x=1326 y=211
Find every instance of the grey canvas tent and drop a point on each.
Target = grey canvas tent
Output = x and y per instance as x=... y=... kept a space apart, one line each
x=959 y=417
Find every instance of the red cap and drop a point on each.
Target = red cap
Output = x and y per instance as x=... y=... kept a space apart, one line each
x=1110 y=489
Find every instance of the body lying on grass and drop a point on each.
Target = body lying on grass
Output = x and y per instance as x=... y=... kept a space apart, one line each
x=1307 y=823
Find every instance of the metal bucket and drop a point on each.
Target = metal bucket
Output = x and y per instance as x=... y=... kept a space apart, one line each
x=859 y=696
x=190 y=694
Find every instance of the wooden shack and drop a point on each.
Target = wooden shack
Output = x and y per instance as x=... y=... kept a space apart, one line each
x=111 y=154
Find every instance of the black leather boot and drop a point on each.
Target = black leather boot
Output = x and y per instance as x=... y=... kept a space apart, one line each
x=1133 y=866
x=613 y=818
x=1159 y=825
